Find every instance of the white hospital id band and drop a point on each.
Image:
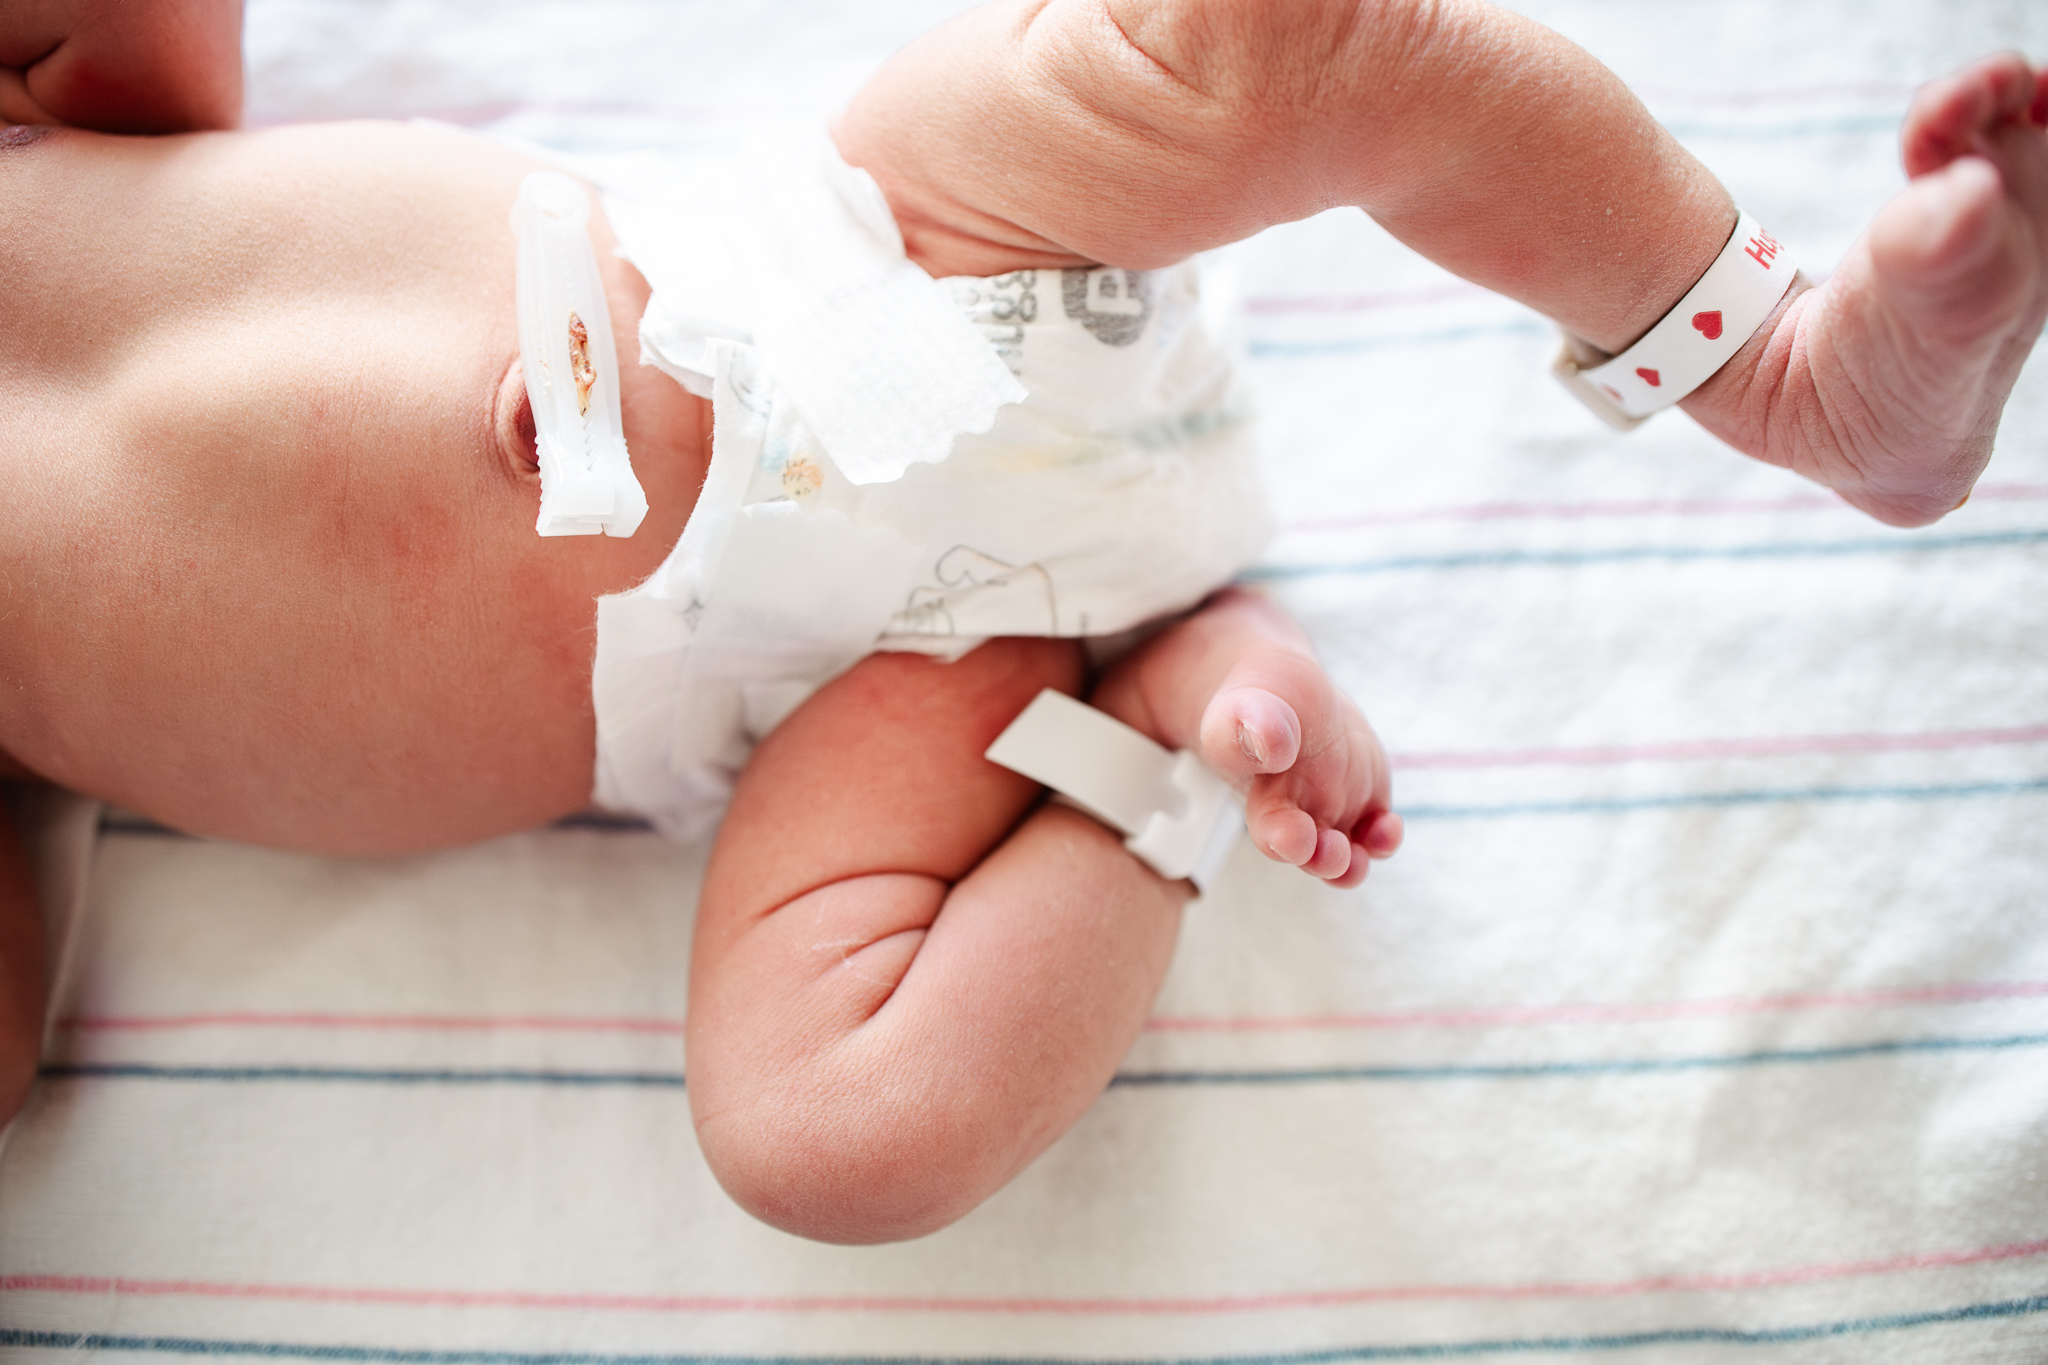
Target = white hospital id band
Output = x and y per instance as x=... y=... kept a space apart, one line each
x=1696 y=338
x=572 y=374
x=1181 y=817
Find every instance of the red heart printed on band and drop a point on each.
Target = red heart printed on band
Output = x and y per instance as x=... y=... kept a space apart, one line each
x=1709 y=324
x=1650 y=377
x=1612 y=392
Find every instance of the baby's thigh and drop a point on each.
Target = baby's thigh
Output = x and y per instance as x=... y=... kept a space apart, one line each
x=21 y=972
x=882 y=770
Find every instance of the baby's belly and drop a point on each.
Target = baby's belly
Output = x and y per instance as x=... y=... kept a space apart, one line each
x=267 y=570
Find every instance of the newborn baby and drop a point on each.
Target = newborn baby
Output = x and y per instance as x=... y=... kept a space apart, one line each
x=269 y=494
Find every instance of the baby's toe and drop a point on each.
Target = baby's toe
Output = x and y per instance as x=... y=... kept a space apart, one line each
x=1379 y=835
x=1949 y=114
x=1332 y=859
x=1947 y=259
x=1920 y=235
x=1285 y=834
x=1361 y=863
x=1247 y=731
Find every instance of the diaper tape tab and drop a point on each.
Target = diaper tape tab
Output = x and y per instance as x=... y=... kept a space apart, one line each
x=1181 y=818
x=1693 y=341
x=572 y=373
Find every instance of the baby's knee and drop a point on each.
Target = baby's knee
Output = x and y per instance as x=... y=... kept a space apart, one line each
x=847 y=1172
x=174 y=66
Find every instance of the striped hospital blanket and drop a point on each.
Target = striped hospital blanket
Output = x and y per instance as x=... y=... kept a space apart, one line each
x=1704 y=1018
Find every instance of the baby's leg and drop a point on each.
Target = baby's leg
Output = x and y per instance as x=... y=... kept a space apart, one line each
x=1887 y=382
x=1238 y=681
x=900 y=995
x=119 y=66
x=1504 y=153
x=909 y=977
x=21 y=970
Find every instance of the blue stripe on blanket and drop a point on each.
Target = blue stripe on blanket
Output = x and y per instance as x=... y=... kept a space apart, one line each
x=1493 y=559
x=1444 y=336
x=673 y=1080
x=82 y=1342
x=1608 y=805
x=1618 y=1067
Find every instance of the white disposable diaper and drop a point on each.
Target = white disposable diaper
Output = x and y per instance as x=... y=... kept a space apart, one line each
x=897 y=463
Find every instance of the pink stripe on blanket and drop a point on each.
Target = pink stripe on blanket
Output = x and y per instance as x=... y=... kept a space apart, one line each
x=1209 y=1304
x=425 y=1023
x=1766 y=747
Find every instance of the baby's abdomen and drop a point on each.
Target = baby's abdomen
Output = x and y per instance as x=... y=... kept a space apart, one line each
x=265 y=572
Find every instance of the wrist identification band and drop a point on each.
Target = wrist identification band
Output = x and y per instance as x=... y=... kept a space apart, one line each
x=1182 y=818
x=1695 y=339
x=572 y=374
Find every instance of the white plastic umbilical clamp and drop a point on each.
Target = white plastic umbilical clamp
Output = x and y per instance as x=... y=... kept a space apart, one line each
x=572 y=374
x=1181 y=817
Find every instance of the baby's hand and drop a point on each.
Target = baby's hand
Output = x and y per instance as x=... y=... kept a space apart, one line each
x=1238 y=682
x=123 y=66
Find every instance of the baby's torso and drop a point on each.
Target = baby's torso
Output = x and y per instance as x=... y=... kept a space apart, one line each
x=267 y=568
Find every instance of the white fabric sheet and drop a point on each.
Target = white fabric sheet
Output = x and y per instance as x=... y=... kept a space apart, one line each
x=1703 y=1018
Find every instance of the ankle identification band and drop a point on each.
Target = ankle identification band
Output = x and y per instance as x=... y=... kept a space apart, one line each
x=1181 y=817
x=572 y=375
x=1696 y=338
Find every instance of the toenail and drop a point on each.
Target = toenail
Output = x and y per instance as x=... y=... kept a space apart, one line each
x=1249 y=741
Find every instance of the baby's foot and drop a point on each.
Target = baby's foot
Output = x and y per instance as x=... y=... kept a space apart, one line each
x=1238 y=682
x=1911 y=348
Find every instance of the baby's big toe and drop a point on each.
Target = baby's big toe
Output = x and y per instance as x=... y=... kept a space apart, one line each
x=1247 y=731
x=1944 y=258
x=1938 y=224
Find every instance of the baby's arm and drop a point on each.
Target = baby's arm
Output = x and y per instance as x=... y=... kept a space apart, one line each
x=899 y=993
x=1134 y=132
x=122 y=66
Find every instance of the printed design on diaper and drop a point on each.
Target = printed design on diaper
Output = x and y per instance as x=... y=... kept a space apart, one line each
x=982 y=595
x=1001 y=307
x=1013 y=297
x=1114 y=305
x=801 y=477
